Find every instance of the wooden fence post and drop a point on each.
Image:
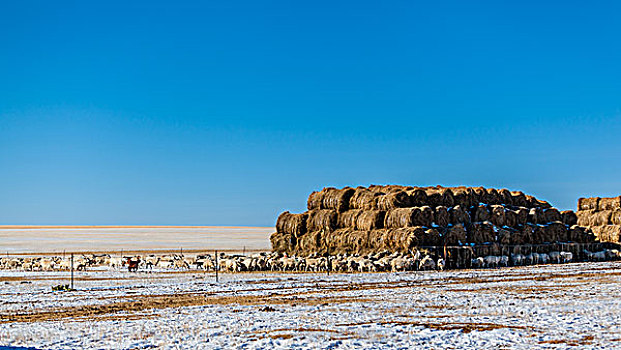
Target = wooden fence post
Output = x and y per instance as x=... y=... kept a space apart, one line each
x=71 y=270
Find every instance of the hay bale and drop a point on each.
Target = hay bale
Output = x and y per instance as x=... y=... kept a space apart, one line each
x=577 y=234
x=397 y=199
x=422 y=216
x=497 y=216
x=600 y=218
x=321 y=219
x=337 y=199
x=455 y=235
x=569 y=218
x=458 y=215
x=503 y=236
x=311 y=243
x=315 y=200
x=556 y=232
x=521 y=216
x=526 y=234
x=399 y=217
x=615 y=217
x=519 y=199
x=510 y=218
x=418 y=197
x=346 y=241
x=584 y=217
x=480 y=232
x=376 y=240
x=505 y=196
x=364 y=198
x=492 y=196
x=406 y=239
x=588 y=203
x=348 y=219
x=370 y=220
x=539 y=235
x=294 y=224
x=608 y=233
x=464 y=196
x=613 y=203
x=283 y=243
x=481 y=213
x=551 y=215
x=480 y=195
x=441 y=216
x=431 y=237
x=535 y=216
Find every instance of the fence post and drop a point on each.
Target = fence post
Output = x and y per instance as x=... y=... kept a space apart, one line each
x=216 y=267
x=71 y=270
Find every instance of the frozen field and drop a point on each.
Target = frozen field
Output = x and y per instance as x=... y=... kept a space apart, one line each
x=546 y=306
x=24 y=239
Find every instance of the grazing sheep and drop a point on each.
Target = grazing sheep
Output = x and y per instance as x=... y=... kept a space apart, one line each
x=491 y=261
x=518 y=259
x=441 y=264
x=478 y=263
x=504 y=261
x=566 y=257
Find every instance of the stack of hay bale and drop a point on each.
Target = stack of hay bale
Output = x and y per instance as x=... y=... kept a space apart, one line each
x=395 y=218
x=602 y=215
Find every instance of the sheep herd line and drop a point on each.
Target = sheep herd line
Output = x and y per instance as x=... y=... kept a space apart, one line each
x=277 y=262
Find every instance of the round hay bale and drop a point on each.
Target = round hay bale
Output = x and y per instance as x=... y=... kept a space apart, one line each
x=321 y=219
x=569 y=218
x=283 y=243
x=503 y=236
x=447 y=197
x=551 y=215
x=519 y=236
x=519 y=198
x=434 y=198
x=481 y=213
x=588 y=203
x=399 y=217
x=527 y=234
x=556 y=232
x=370 y=220
x=464 y=197
x=492 y=196
x=458 y=215
x=422 y=216
x=396 y=199
x=312 y=243
x=539 y=234
x=455 y=235
x=535 y=216
x=315 y=200
x=441 y=216
x=337 y=199
x=497 y=216
x=510 y=218
x=521 y=215
x=418 y=197
x=405 y=239
x=431 y=237
x=505 y=196
x=294 y=224
x=480 y=232
x=364 y=199
x=348 y=219
x=480 y=195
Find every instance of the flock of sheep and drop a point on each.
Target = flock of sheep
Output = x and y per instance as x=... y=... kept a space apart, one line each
x=379 y=262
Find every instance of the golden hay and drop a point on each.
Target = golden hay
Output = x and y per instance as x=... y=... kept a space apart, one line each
x=370 y=220
x=294 y=224
x=321 y=219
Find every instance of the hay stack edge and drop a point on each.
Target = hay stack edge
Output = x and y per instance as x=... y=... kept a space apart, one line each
x=602 y=216
x=372 y=219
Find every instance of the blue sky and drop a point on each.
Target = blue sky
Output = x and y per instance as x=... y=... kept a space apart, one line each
x=227 y=113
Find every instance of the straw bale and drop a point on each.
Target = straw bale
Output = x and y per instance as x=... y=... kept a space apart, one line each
x=480 y=195
x=569 y=218
x=521 y=215
x=441 y=216
x=431 y=237
x=608 y=233
x=503 y=236
x=370 y=220
x=535 y=216
x=527 y=234
x=312 y=242
x=539 y=234
x=363 y=199
x=578 y=234
x=294 y=224
x=321 y=219
x=400 y=217
x=396 y=199
x=315 y=200
x=459 y=215
x=613 y=203
x=348 y=219
x=588 y=203
x=511 y=217
x=492 y=196
x=464 y=196
x=346 y=241
x=556 y=231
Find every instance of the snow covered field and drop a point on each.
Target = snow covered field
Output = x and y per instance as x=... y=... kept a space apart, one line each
x=546 y=306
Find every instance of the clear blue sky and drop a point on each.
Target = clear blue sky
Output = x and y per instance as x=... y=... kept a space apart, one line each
x=229 y=112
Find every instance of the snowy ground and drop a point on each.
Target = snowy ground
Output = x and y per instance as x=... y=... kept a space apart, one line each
x=547 y=306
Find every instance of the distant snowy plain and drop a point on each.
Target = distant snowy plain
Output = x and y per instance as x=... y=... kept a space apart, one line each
x=545 y=306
